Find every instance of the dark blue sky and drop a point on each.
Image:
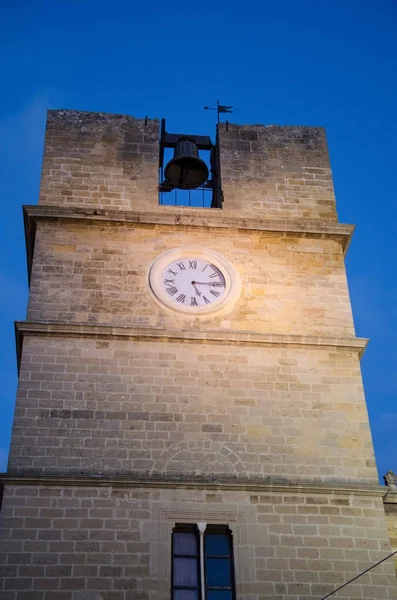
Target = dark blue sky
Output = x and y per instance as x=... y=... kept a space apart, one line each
x=285 y=62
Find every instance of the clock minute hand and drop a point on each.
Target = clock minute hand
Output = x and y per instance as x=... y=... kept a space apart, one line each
x=214 y=284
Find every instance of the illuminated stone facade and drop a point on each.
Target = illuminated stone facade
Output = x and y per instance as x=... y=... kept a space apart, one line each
x=131 y=418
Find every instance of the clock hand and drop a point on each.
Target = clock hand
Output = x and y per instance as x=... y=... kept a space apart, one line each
x=214 y=284
x=198 y=293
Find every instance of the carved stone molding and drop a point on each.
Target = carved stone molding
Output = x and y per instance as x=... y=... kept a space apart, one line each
x=278 y=486
x=84 y=330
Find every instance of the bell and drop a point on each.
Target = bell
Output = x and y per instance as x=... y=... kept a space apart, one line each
x=186 y=170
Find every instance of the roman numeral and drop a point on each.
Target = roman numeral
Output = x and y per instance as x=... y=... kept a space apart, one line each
x=173 y=272
x=204 y=268
x=215 y=293
x=218 y=284
x=181 y=298
x=214 y=274
x=171 y=290
x=193 y=301
x=206 y=300
x=181 y=266
x=169 y=281
x=192 y=264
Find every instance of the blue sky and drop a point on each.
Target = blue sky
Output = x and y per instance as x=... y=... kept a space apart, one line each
x=285 y=62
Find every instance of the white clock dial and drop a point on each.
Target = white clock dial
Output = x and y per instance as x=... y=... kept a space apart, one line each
x=193 y=282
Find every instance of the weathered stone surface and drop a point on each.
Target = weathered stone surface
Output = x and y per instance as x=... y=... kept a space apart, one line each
x=255 y=419
x=93 y=273
x=277 y=172
x=99 y=160
x=391 y=521
x=390 y=505
x=286 y=545
x=191 y=409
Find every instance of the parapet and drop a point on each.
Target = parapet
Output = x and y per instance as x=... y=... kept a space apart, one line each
x=98 y=160
x=277 y=172
x=111 y=162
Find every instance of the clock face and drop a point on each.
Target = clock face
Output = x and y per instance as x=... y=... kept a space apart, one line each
x=193 y=282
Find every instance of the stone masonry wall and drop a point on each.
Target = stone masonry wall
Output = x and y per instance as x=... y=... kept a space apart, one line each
x=277 y=172
x=191 y=410
x=90 y=273
x=98 y=160
x=107 y=543
x=391 y=520
x=221 y=419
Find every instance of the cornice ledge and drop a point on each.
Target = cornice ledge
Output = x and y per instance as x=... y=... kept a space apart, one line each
x=183 y=216
x=347 y=344
x=175 y=483
x=180 y=215
x=391 y=500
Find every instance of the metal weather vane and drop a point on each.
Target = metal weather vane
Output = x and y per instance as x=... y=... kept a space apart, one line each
x=220 y=108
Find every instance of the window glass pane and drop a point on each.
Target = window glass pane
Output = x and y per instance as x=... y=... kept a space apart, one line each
x=217 y=544
x=185 y=572
x=185 y=543
x=217 y=572
x=185 y=595
x=219 y=595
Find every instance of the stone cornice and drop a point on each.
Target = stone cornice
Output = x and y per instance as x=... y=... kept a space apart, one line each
x=183 y=217
x=391 y=501
x=22 y=328
x=175 y=483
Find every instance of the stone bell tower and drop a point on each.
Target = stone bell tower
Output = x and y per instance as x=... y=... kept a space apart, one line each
x=208 y=443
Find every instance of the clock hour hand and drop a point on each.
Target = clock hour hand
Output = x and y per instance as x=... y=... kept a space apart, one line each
x=198 y=293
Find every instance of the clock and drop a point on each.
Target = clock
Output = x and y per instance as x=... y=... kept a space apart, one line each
x=193 y=281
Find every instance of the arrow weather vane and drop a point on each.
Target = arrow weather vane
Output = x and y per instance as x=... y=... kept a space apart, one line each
x=220 y=108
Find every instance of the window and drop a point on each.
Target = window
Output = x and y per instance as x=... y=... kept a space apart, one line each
x=202 y=562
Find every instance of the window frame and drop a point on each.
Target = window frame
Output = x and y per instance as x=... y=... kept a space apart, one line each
x=201 y=558
x=185 y=528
